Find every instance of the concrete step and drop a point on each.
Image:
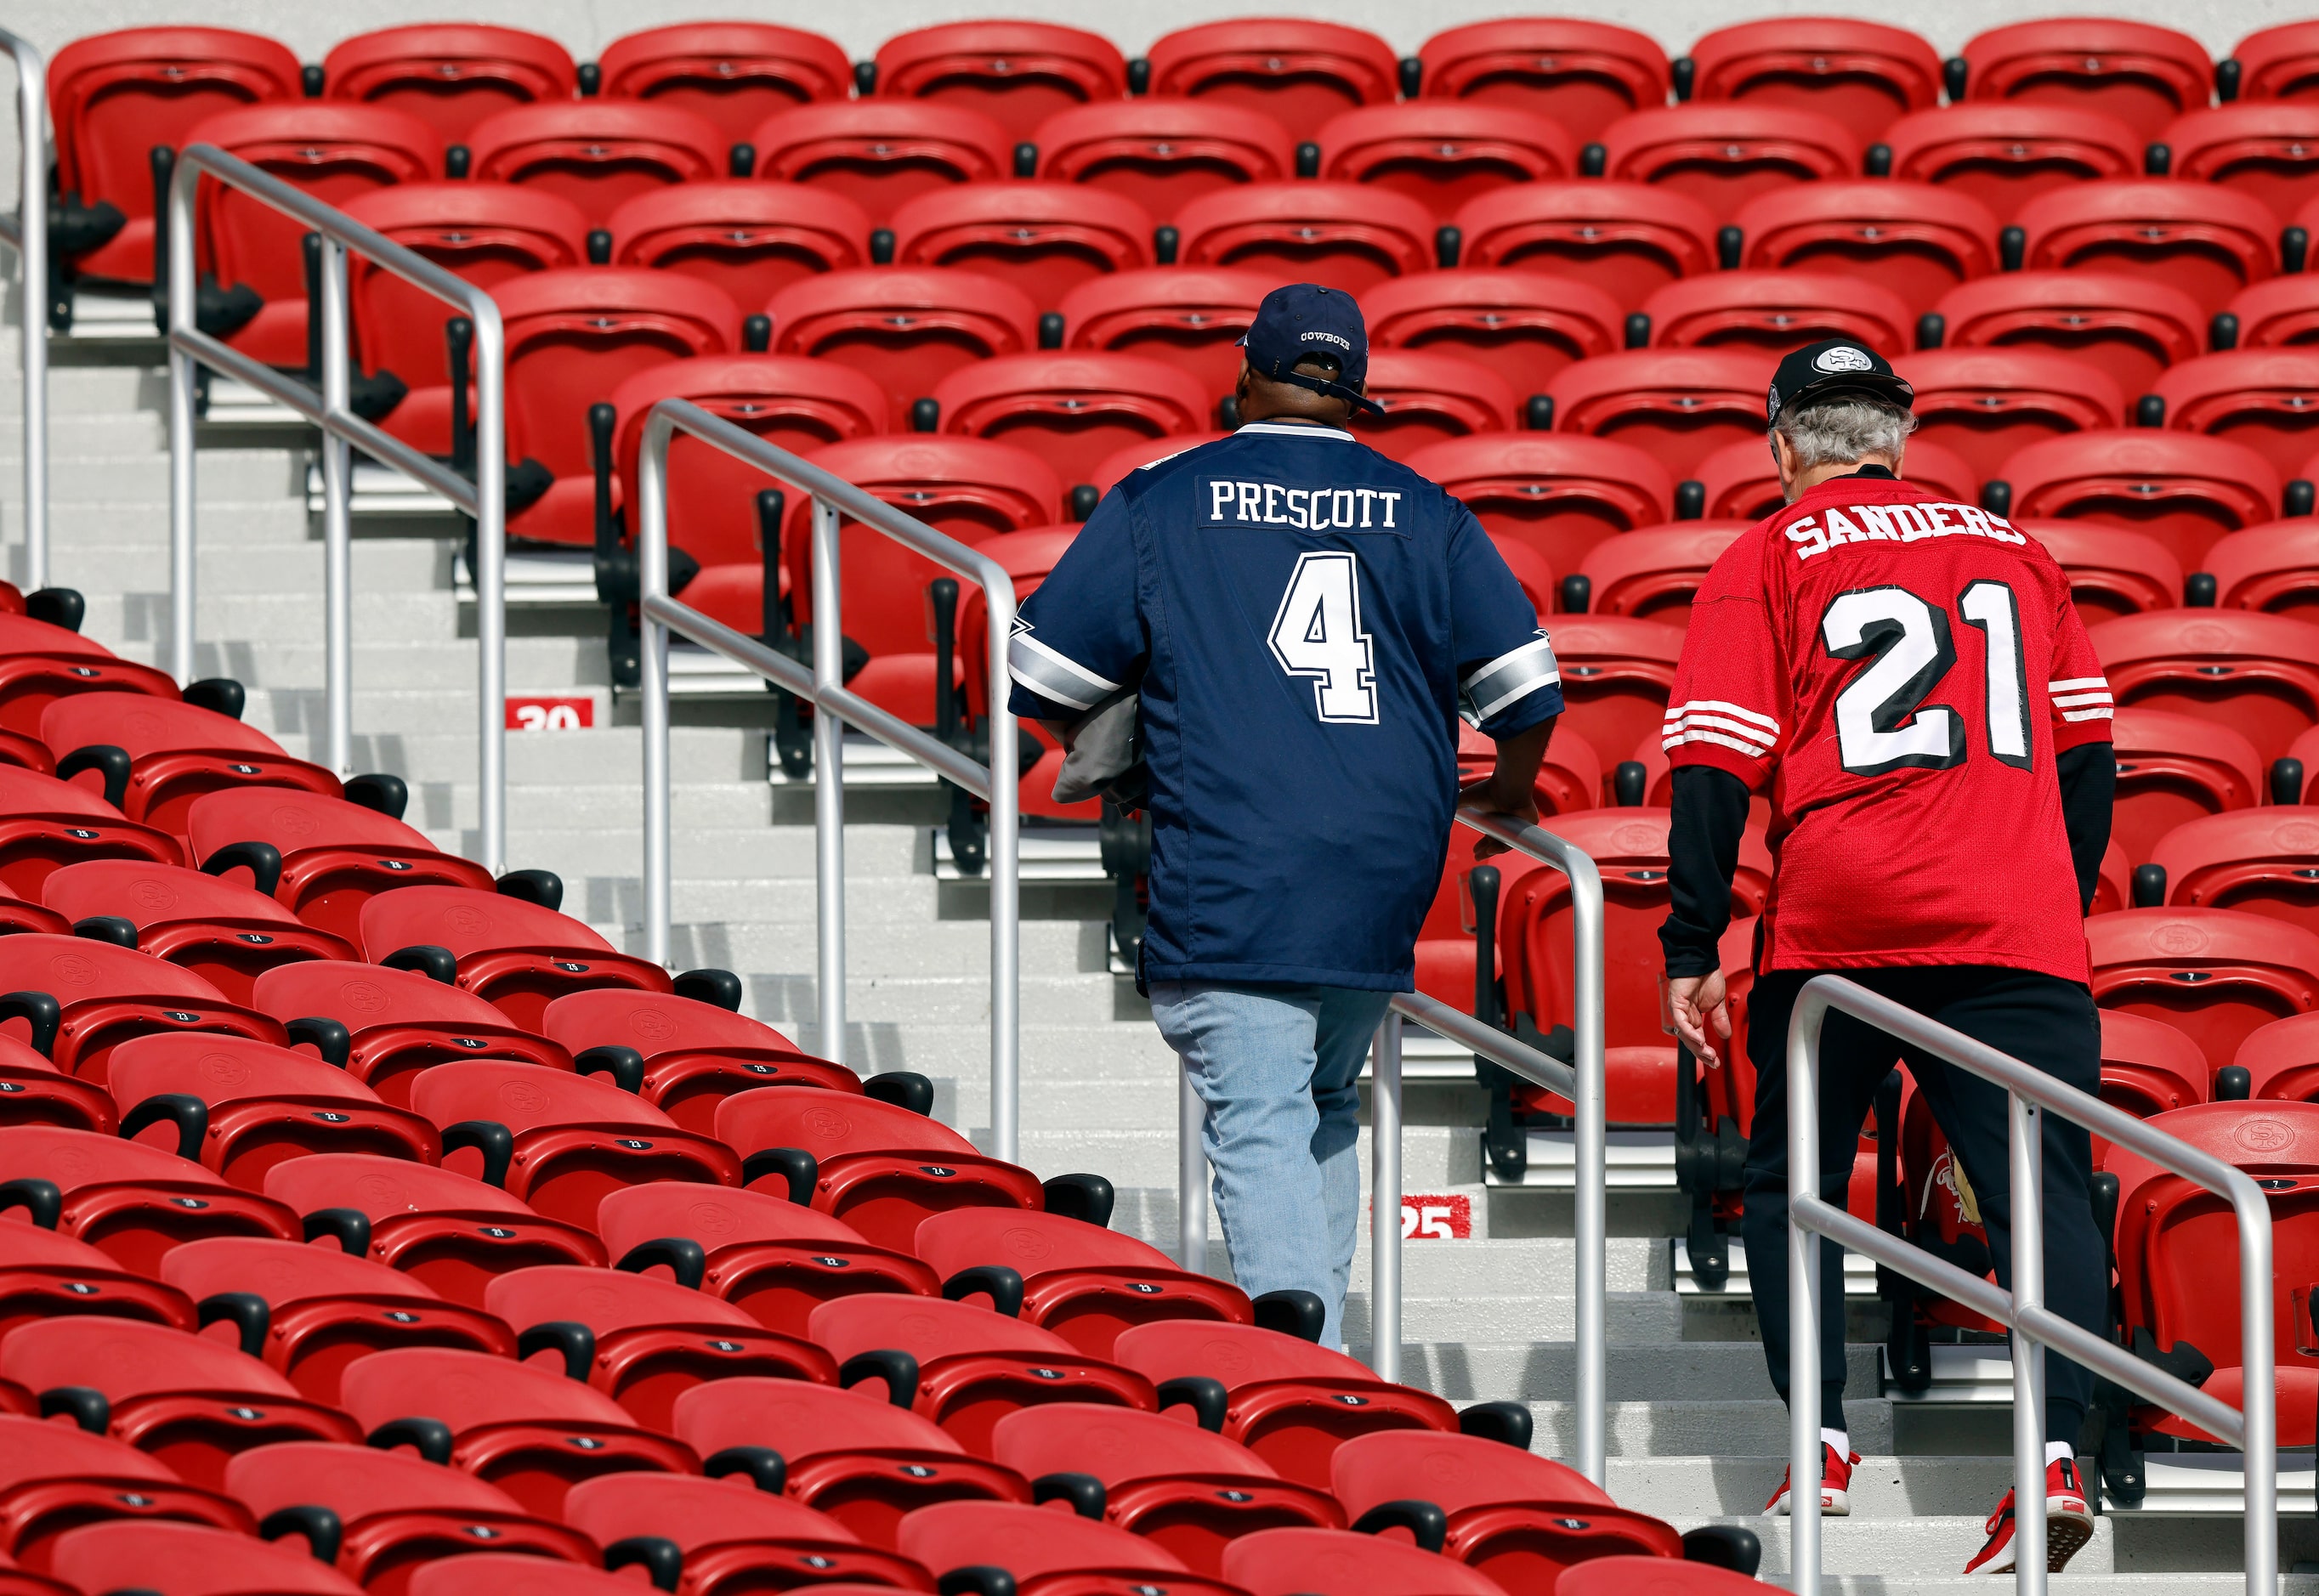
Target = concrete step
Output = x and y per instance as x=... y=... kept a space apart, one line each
x=1929 y=1547
x=1544 y=1371
x=1673 y=1427
x=136 y=476
x=1883 y=1486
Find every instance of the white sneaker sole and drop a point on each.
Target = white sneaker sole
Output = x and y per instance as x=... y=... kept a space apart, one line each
x=2068 y=1529
x=1833 y=1505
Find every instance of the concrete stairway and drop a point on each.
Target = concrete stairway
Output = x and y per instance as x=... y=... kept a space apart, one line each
x=1696 y=1433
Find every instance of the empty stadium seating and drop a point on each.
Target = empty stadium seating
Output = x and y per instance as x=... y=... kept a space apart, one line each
x=1191 y=319
x=1915 y=239
x=1300 y=72
x=2209 y=242
x=906 y=328
x=1521 y=325
x=2143 y=76
x=2174 y=768
x=1585 y=74
x=1343 y=234
x=1560 y=495
x=2273 y=567
x=1652 y=573
x=1625 y=238
x=749 y=239
x=2112 y=572
x=450 y=75
x=1675 y=405
x=1987 y=404
x=880 y=152
x=1017 y=72
x=2261 y=398
x=2185 y=490
x=2276 y=311
x=1444 y=152
x=1045 y=238
x=1772 y=310
x=2005 y=153
x=596 y=153
x=1163 y=153
x=735 y=75
x=1724 y=155
x=694 y=1054
x=1071 y=410
x=2263 y=861
x=2262 y=148
x=1430 y=398
x=2213 y=974
x=2130 y=329
x=2249 y=671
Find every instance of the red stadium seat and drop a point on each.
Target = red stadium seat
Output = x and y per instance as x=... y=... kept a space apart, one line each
x=1342 y=235
x=1561 y=494
x=113 y=97
x=1651 y=574
x=2112 y=572
x=1188 y=1492
x=1913 y=238
x=239 y=1107
x=559 y=1141
x=328 y=852
x=2182 y=490
x=1619 y=1576
x=397 y=1021
x=1585 y=74
x=2213 y=974
x=1430 y=398
x=1027 y=557
x=1740 y=480
x=2282 y=1060
x=1163 y=154
x=880 y=1169
x=1107 y=476
x=647 y=1341
x=1625 y=238
x=34 y=1092
x=496 y=1574
x=1190 y=317
x=1079 y=1280
x=190 y=1401
x=732 y=74
x=451 y=1233
x=2264 y=860
x=2130 y=329
x=1616 y=674
x=1300 y=72
x=749 y=239
x=533 y=1434
x=336 y=153
x=2005 y=153
x=597 y=153
x=131 y=1202
x=2273 y=567
x=449 y=74
x=1862 y=73
x=573 y=337
x=695 y=1054
x=1046 y=1552
x=1284 y=1398
x=1776 y=310
x=880 y=152
x=1045 y=238
x=1986 y=404
x=2143 y=76
x=1724 y=154
x=189 y=1560
x=309 y=1312
x=2262 y=148
x=515 y=955
x=734 y=1537
x=397 y=1514
x=106 y=995
x=967 y=488
x=46 y=824
x=906 y=328
x=39 y=663
x=1442 y=153
x=1340 y=1563
x=1521 y=325
x=55 y=1478
x=761 y=1252
x=854 y=1456
x=2258 y=674
x=1017 y=73
x=2277 y=63
x=2207 y=241
x=2277 y=311
x=175 y=753
x=1510 y=1515
x=1073 y=412
x=1675 y=405
x=485 y=232
x=2261 y=398
x=229 y=935
x=2148 y=1067
x=2172 y=769
x=965 y=1367
x=47 y=1276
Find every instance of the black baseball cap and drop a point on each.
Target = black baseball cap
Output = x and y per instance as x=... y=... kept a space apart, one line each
x=1305 y=319
x=1831 y=368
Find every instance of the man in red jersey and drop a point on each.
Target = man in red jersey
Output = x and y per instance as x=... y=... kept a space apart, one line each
x=1905 y=680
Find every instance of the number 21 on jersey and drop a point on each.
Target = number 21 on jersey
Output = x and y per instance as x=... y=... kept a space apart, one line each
x=1882 y=722
x=1317 y=634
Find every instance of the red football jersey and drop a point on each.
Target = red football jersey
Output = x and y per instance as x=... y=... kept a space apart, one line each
x=1902 y=671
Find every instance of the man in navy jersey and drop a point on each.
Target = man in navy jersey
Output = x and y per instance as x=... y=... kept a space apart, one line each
x=1905 y=680
x=1300 y=620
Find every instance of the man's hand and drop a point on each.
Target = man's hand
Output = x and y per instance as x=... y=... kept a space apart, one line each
x=1512 y=789
x=1688 y=1007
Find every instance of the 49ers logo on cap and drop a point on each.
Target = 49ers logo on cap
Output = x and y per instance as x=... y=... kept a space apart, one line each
x=1843 y=358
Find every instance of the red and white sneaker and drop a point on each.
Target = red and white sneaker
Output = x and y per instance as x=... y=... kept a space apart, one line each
x=2069 y=1523
x=1834 y=1487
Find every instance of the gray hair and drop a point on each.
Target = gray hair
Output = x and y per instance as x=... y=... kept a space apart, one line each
x=1840 y=432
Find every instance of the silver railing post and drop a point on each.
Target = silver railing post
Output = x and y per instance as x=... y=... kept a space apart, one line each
x=2026 y=1173
x=1191 y=1175
x=490 y=585
x=1005 y=912
x=1804 y=1417
x=181 y=421
x=1384 y=1198
x=829 y=782
x=338 y=519
x=30 y=235
x=652 y=582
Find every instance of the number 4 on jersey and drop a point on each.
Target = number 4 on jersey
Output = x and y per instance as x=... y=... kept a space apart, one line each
x=1317 y=634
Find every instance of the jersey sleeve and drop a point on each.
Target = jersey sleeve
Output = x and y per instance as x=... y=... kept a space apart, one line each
x=1079 y=636
x=1732 y=702
x=2076 y=688
x=1507 y=678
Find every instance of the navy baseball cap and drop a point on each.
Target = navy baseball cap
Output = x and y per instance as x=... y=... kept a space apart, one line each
x=1305 y=319
x=1831 y=368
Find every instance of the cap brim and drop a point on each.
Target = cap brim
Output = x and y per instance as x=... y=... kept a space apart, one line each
x=1891 y=388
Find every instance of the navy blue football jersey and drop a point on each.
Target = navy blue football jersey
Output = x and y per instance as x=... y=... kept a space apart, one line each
x=1304 y=619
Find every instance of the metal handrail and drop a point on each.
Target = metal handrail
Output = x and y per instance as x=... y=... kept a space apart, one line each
x=1582 y=1084
x=28 y=233
x=824 y=686
x=484 y=499
x=2253 y=1427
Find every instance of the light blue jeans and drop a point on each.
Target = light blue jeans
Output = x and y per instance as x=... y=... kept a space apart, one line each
x=1276 y=1067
